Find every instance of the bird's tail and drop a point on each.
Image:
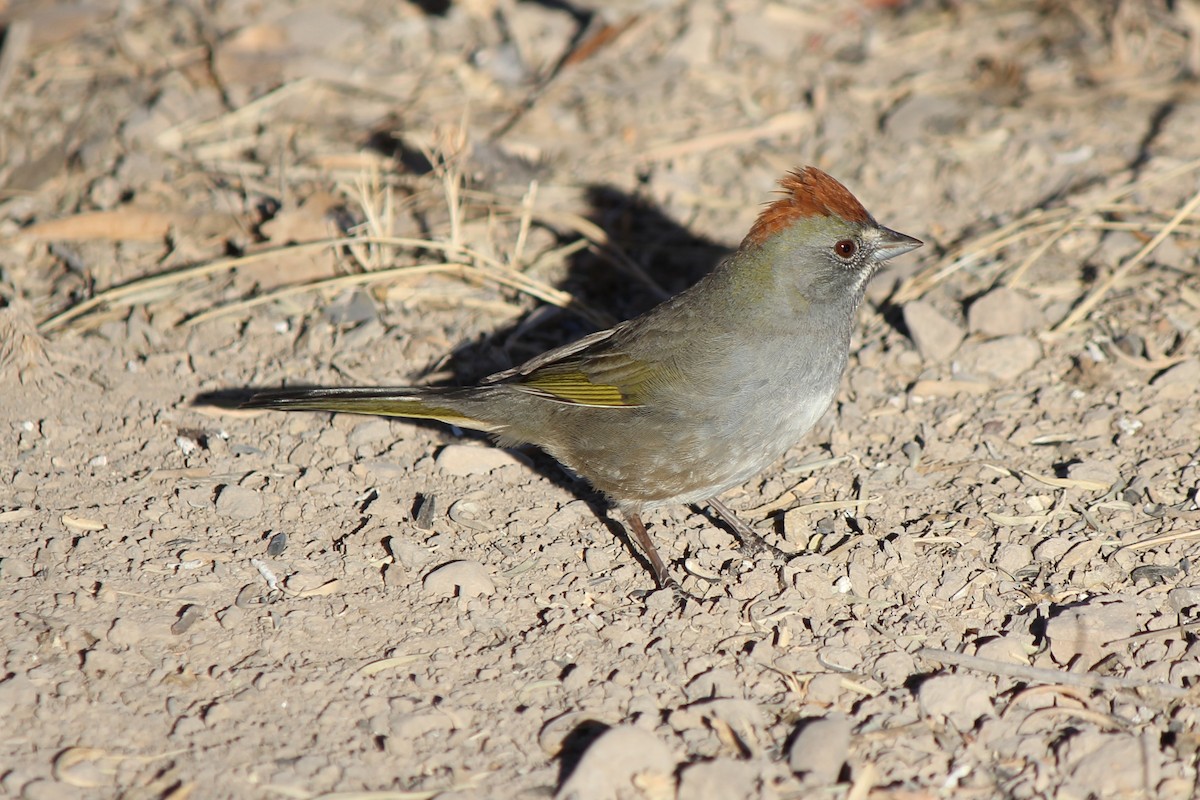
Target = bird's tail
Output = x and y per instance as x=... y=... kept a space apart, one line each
x=444 y=405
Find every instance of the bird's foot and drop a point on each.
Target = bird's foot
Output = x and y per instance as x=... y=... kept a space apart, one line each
x=662 y=576
x=680 y=596
x=750 y=544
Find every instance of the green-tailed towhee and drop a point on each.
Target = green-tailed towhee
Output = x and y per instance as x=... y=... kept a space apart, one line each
x=695 y=396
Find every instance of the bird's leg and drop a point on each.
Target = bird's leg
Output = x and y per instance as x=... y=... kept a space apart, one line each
x=661 y=576
x=751 y=543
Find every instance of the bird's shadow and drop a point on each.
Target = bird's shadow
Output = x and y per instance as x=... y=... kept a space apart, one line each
x=667 y=252
x=670 y=254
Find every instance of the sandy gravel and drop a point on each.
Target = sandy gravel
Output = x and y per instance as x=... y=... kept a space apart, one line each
x=996 y=524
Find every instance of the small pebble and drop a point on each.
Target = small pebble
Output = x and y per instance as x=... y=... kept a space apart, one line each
x=961 y=699
x=619 y=761
x=819 y=749
x=1081 y=633
x=1096 y=471
x=189 y=616
x=1011 y=556
x=1007 y=649
x=374 y=431
x=277 y=544
x=238 y=502
x=724 y=778
x=895 y=668
x=1003 y=312
x=1178 y=382
x=460 y=579
x=99 y=664
x=426 y=508
x=467 y=459
x=1006 y=358
x=1114 y=769
x=17 y=691
x=826 y=689
x=935 y=335
x=125 y=632
x=715 y=682
x=231 y=617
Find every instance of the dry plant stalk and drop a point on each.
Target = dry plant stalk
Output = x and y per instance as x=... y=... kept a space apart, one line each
x=1093 y=299
x=23 y=351
x=1054 y=224
x=370 y=247
x=378 y=203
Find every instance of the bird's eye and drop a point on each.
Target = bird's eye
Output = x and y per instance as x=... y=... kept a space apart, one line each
x=845 y=249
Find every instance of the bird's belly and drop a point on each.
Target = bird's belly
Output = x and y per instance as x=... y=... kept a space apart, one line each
x=649 y=458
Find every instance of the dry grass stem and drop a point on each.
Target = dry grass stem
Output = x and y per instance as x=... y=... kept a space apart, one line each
x=489 y=270
x=1165 y=538
x=378 y=203
x=865 y=778
x=1057 y=223
x=176 y=137
x=785 y=123
x=502 y=276
x=257 y=110
x=1080 y=312
x=1088 y=680
x=1083 y=214
x=1072 y=694
x=1165 y=633
x=446 y=155
x=527 y=204
x=1037 y=221
x=1106 y=721
x=606 y=247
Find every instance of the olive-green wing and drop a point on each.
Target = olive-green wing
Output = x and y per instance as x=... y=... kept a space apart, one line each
x=589 y=372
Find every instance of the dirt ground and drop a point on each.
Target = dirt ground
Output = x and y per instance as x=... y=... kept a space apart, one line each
x=996 y=522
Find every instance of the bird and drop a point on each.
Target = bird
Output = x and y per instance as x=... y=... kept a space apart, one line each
x=695 y=396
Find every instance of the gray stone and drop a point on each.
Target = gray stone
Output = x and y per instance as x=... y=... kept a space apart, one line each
x=819 y=750
x=1006 y=358
x=460 y=579
x=466 y=459
x=1004 y=312
x=238 y=502
x=620 y=760
x=722 y=778
x=961 y=699
x=935 y=335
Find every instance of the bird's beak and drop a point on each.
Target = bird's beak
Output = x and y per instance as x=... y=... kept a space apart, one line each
x=893 y=243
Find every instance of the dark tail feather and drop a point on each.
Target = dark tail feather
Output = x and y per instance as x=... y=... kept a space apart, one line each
x=412 y=403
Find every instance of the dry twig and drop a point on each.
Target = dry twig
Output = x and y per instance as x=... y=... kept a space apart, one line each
x=488 y=269
x=1087 y=680
x=1097 y=294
